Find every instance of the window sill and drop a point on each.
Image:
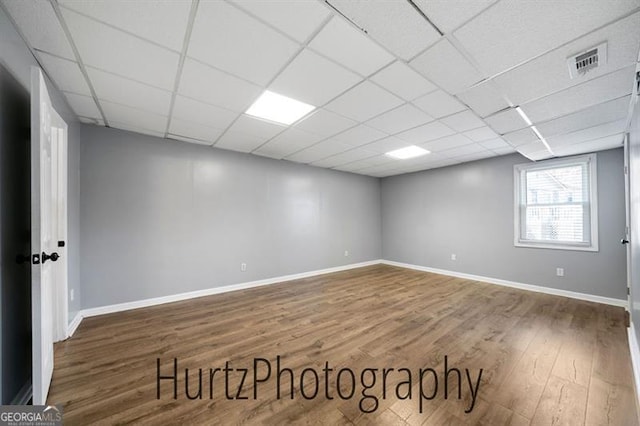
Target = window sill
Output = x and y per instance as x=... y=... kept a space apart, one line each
x=526 y=244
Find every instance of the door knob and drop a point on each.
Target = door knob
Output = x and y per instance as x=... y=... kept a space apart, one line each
x=624 y=241
x=53 y=256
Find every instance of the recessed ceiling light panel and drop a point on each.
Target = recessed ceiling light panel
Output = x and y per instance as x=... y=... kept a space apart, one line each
x=407 y=152
x=281 y=109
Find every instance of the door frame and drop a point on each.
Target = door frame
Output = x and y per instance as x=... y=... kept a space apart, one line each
x=627 y=213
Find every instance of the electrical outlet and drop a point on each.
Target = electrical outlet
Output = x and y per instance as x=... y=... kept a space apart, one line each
x=560 y=272
x=243 y=267
x=346 y=253
x=453 y=256
x=71 y=295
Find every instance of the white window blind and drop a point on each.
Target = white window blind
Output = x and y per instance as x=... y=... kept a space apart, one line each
x=556 y=204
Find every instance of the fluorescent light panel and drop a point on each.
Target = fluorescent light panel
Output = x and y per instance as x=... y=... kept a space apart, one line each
x=542 y=139
x=524 y=116
x=407 y=152
x=281 y=109
x=535 y=129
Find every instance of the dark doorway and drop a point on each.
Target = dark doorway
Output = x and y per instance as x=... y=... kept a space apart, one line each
x=15 y=240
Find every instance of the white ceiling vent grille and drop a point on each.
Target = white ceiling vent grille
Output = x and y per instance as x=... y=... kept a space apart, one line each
x=587 y=60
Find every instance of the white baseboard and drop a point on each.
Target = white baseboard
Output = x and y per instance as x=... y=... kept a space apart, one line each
x=513 y=284
x=101 y=310
x=635 y=357
x=73 y=326
x=108 y=309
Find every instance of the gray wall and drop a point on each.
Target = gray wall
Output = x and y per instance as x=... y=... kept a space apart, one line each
x=15 y=74
x=468 y=210
x=160 y=217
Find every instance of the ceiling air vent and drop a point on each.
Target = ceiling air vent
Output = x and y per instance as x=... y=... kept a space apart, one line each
x=587 y=60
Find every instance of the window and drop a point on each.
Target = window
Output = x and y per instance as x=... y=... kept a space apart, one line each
x=556 y=204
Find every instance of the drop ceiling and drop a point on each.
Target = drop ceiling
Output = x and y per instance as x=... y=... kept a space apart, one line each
x=444 y=75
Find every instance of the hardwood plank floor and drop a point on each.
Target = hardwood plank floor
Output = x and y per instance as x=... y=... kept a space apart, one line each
x=545 y=360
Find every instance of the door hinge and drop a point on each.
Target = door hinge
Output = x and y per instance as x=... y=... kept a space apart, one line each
x=626 y=170
x=628 y=291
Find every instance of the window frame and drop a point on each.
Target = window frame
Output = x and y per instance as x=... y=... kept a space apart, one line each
x=590 y=160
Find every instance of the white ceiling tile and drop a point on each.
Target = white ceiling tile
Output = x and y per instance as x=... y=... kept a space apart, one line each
x=201 y=113
x=344 y=157
x=133 y=117
x=187 y=139
x=237 y=141
x=296 y=18
x=448 y=142
x=233 y=41
x=65 y=73
x=608 y=142
x=400 y=79
x=484 y=99
x=255 y=126
x=598 y=114
x=348 y=46
x=506 y=121
x=463 y=121
x=209 y=85
x=324 y=123
x=248 y=133
x=481 y=134
x=590 y=133
x=313 y=79
x=320 y=151
x=521 y=137
x=364 y=101
x=287 y=143
x=534 y=151
x=136 y=129
x=511 y=32
x=549 y=73
x=426 y=133
x=83 y=106
x=365 y=162
x=399 y=119
x=194 y=130
x=40 y=26
x=106 y=48
x=88 y=120
x=394 y=24
x=504 y=151
x=494 y=144
x=113 y=88
x=476 y=156
x=387 y=144
x=360 y=135
x=381 y=168
x=448 y=15
x=473 y=148
x=439 y=104
x=446 y=67
x=598 y=90
x=161 y=21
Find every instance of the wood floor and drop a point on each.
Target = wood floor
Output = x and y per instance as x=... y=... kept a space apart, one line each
x=546 y=360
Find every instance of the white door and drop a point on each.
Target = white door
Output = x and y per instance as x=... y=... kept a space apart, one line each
x=43 y=243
